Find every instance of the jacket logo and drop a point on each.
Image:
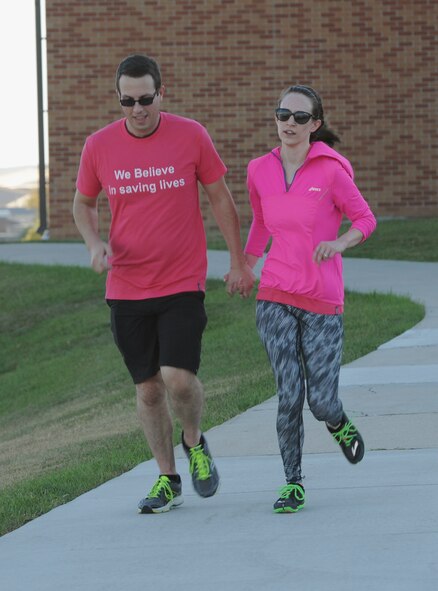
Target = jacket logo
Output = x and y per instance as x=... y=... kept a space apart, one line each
x=315 y=189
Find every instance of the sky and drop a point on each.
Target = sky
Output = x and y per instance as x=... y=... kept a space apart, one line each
x=18 y=94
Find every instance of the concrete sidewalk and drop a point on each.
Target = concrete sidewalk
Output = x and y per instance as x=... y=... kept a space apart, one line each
x=370 y=527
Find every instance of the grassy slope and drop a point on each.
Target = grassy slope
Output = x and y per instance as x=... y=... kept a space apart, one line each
x=67 y=412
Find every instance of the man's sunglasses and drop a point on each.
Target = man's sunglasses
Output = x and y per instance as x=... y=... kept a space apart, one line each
x=301 y=117
x=144 y=101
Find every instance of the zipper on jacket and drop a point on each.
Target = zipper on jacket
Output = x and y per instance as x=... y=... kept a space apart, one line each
x=284 y=172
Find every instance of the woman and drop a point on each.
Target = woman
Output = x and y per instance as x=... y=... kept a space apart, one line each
x=299 y=193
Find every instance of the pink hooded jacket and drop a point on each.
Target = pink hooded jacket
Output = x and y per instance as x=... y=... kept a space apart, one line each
x=298 y=218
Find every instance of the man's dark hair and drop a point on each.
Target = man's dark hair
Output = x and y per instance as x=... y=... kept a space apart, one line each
x=137 y=66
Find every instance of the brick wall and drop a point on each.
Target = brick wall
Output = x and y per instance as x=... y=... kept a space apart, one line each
x=225 y=62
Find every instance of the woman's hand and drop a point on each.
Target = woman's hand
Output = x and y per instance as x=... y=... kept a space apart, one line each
x=327 y=250
x=240 y=279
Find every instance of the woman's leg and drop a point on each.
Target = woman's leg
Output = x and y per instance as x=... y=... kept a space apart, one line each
x=322 y=338
x=279 y=332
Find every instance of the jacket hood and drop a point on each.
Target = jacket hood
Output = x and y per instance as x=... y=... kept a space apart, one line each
x=322 y=150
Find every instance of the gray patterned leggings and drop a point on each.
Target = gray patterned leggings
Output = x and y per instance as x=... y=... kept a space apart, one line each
x=305 y=352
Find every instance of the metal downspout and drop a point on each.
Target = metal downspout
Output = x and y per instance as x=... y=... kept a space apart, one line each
x=42 y=165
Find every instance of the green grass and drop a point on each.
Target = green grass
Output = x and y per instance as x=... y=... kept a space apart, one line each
x=398 y=240
x=67 y=409
x=401 y=240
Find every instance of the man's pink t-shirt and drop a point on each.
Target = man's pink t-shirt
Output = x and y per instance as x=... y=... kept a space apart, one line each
x=157 y=234
x=298 y=217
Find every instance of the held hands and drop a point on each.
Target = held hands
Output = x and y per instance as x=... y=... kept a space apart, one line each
x=240 y=279
x=100 y=254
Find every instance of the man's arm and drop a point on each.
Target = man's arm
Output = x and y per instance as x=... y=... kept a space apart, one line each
x=240 y=277
x=86 y=219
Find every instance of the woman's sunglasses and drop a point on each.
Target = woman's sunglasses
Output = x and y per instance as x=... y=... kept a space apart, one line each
x=301 y=117
x=144 y=101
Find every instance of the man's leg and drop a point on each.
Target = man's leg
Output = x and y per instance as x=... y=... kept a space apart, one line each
x=134 y=325
x=187 y=399
x=180 y=326
x=153 y=412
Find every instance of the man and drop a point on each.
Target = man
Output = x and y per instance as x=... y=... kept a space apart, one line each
x=149 y=164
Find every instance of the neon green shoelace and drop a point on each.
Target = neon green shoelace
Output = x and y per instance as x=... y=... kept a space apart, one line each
x=287 y=490
x=163 y=483
x=199 y=461
x=346 y=434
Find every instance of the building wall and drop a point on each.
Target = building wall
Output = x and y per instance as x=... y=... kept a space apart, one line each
x=225 y=62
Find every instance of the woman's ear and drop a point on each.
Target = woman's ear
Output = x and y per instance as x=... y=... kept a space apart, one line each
x=316 y=125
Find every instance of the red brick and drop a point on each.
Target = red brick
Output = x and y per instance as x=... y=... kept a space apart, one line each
x=224 y=63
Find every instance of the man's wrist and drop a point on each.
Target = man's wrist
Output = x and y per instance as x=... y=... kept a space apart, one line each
x=238 y=261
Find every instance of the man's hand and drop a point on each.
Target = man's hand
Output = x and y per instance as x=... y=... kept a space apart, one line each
x=240 y=279
x=86 y=218
x=100 y=254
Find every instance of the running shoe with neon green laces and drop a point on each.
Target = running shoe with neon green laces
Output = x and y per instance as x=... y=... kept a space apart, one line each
x=205 y=476
x=292 y=498
x=164 y=495
x=349 y=439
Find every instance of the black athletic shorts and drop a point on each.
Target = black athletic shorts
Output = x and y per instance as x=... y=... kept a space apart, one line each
x=159 y=331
